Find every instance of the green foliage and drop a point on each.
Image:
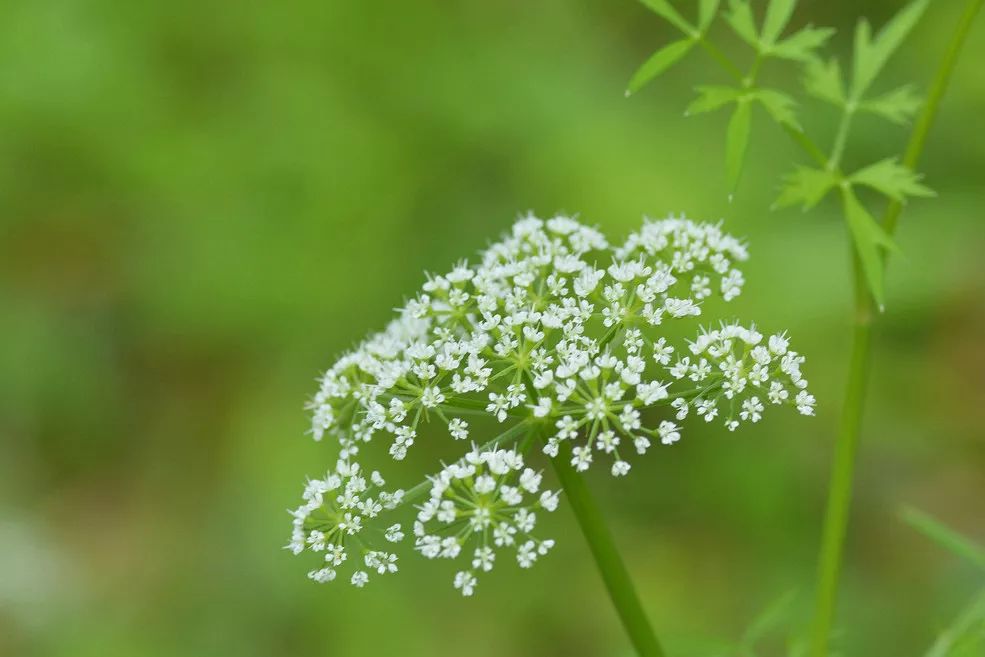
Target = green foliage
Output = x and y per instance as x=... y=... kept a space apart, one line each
x=740 y=17
x=769 y=620
x=779 y=106
x=898 y=105
x=778 y=14
x=798 y=47
x=965 y=635
x=870 y=239
x=944 y=536
x=659 y=62
x=736 y=142
x=673 y=52
x=664 y=9
x=801 y=46
x=711 y=98
x=872 y=54
x=707 y=9
x=892 y=179
x=823 y=80
x=807 y=186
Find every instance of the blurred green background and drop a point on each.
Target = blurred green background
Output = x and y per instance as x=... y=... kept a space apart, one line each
x=201 y=203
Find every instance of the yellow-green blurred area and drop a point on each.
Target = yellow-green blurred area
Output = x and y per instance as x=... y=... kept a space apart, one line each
x=203 y=203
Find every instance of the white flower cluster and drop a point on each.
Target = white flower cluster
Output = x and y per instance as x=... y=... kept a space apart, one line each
x=332 y=518
x=488 y=499
x=554 y=332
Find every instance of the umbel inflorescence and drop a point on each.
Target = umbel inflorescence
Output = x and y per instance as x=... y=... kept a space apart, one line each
x=555 y=342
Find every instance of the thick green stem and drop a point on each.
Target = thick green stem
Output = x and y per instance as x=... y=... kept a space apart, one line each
x=846 y=447
x=607 y=558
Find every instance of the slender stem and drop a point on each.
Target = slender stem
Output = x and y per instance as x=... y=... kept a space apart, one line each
x=841 y=138
x=727 y=64
x=806 y=144
x=846 y=446
x=945 y=643
x=922 y=127
x=607 y=558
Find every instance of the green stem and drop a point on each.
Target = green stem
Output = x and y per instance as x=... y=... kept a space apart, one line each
x=722 y=59
x=842 y=474
x=946 y=642
x=846 y=446
x=841 y=138
x=607 y=558
x=922 y=127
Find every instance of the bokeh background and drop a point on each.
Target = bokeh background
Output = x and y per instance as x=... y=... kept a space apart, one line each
x=201 y=203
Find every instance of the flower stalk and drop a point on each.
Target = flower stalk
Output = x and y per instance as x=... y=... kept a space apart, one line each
x=610 y=564
x=846 y=445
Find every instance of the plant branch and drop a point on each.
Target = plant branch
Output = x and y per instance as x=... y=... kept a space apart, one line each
x=846 y=446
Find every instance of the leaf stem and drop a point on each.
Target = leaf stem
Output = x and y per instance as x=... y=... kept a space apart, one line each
x=846 y=446
x=607 y=557
x=722 y=59
x=841 y=138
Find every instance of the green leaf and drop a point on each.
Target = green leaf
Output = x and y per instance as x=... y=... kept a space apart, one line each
x=892 y=179
x=706 y=14
x=768 y=620
x=899 y=105
x=824 y=81
x=944 y=536
x=869 y=239
x=778 y=14
x=871 y=54
x=965 y=634
x=739 y=16
x=664 y=9
x=801 y=45
x=806 y=185
x=711 y=98
x=779 y=105
x=659 y=62
x=736 y=140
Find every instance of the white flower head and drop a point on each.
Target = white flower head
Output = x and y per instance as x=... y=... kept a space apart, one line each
x=564 y=342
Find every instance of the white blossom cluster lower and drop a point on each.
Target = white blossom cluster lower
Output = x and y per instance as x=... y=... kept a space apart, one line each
x=556 y=336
